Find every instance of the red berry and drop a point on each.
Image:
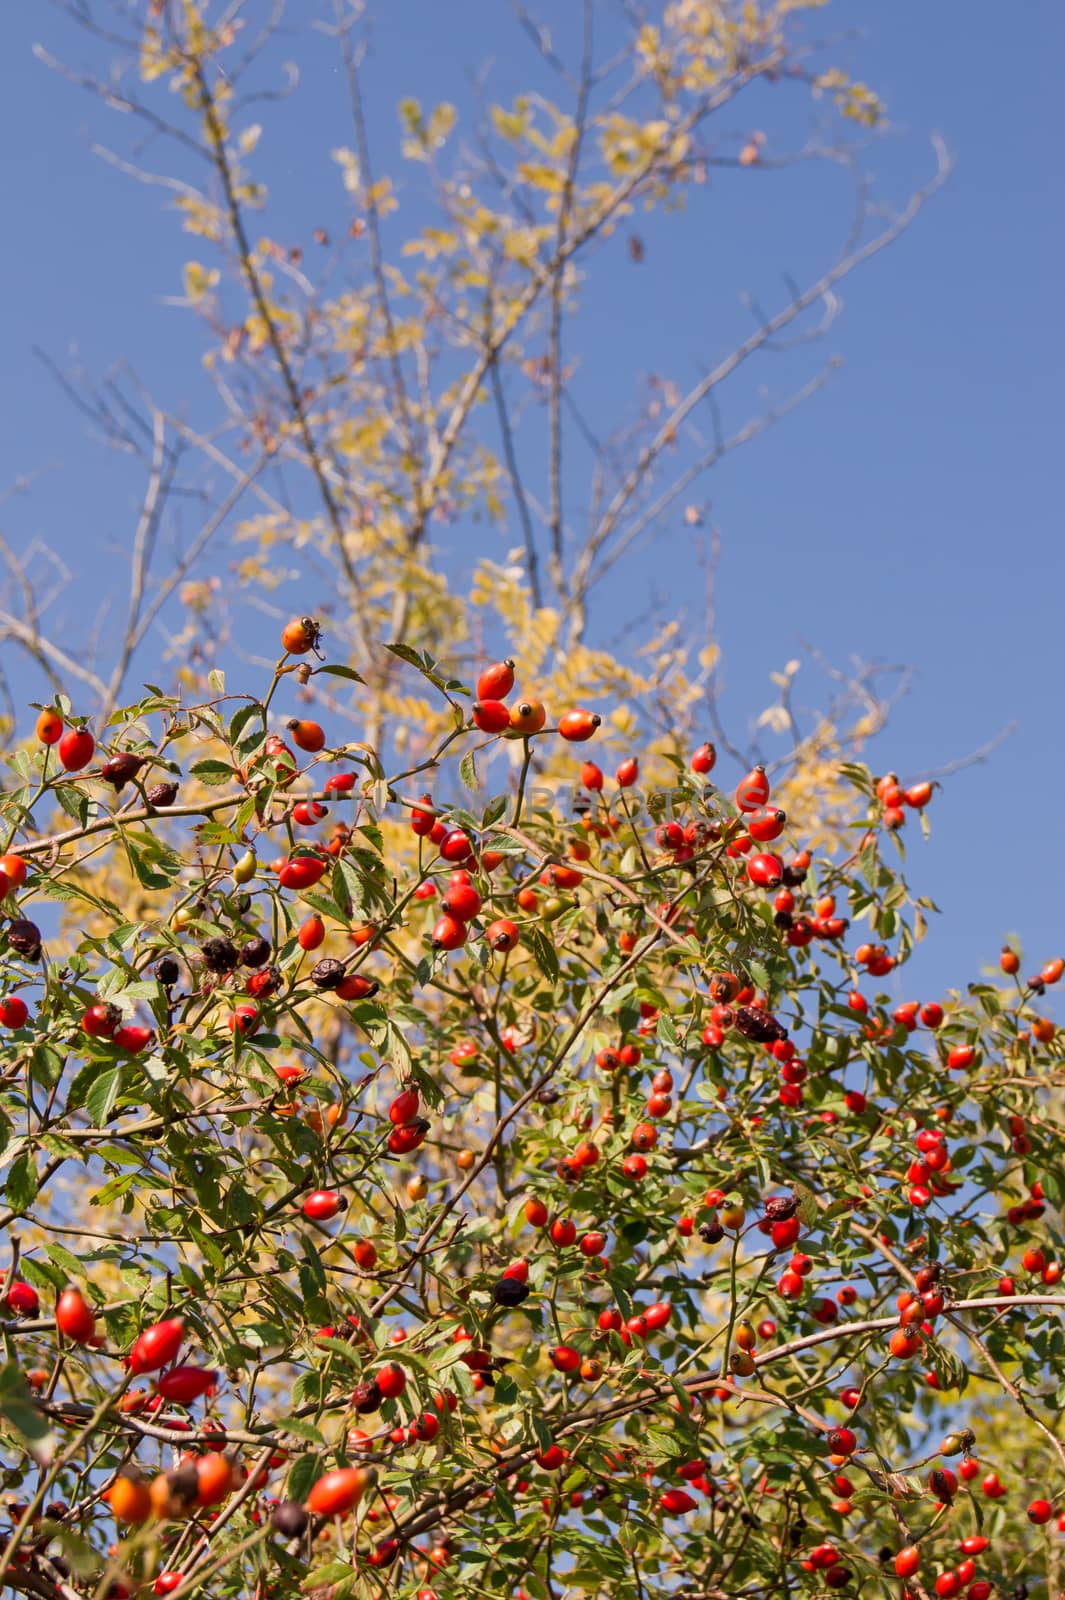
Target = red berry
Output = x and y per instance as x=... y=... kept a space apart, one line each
x=156 y=1345
x=74 y=1316
x=753 y=792
x=14 y=1012
x=448 y=933
x=907 y=1561
x=76 y=749
x=496 y=681
x=491 y=716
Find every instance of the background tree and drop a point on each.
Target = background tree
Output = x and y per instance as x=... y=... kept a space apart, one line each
x=525 y=1170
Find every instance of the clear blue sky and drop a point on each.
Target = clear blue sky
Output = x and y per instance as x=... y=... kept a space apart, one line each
x=910 y=512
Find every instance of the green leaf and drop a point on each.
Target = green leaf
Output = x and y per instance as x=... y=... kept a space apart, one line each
x=305 y=1472
x=666 y=1031
x=333 y=1572
x=544 y=953
x=241 y=719
x=100 y=1100
x=505 y=1391
x=407 y=654
x=20 y=1190
x=46 y=1065
x=303 y=1430
x=340 y=1347
x=18 y=1410
x=73 y=801
x=468 y=770
x=494 y=810
x=83 y=1560
x=64 y=1258
x=215 y=774
x=335 y=670
x=348 y=887
x=758 y=975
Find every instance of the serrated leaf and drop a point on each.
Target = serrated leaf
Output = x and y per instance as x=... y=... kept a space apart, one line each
x=332 y=1573
x=665 y=1030
x=303 y=1430
x=65 y=1259
x=102 y=1094
x=758 y=975
x=304 y=1473
x=493 y=810
x=544 y=953
x=20 y=1186
x=73 y=801
x=213 y=773
x=505 y=1391
x=407 y=654
x=335 y=670
x=348 y=886
x=339 y=1347
x=20 y=1413
x=468 y=770
x=240 y=720
x=808 y=1209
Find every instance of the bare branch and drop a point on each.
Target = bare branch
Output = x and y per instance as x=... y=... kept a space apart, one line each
x=819 y=290
x=554 y=344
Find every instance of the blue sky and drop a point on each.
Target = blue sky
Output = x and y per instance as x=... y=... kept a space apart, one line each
x=911 y=512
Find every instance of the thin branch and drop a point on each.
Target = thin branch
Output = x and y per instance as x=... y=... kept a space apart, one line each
x=496 y=341
x=554 y=345
x=818 y=290
x=121 y=102
x=372 y=210
x=160 y=475
x=216 y=135
x=705 y=463
x=974 y=758
x=532 y=564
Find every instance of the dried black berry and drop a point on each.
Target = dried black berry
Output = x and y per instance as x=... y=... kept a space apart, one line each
x=290 y=1519
x=366 y=1397
x=256 y=953
x=162 y=794
x=759 y=1025
x=327 y=973
x=118 y=770
x=184 y=1487
x=167 y=971
x=779 y=1207
x=219 y=955
x=510 y=1292
x=24 y=937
